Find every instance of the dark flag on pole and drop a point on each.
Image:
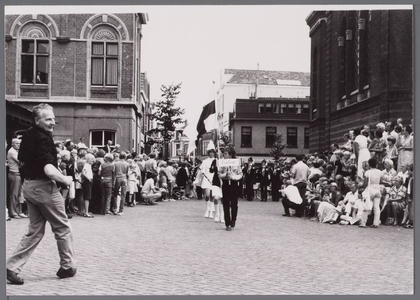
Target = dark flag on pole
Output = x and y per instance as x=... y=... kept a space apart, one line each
x=208 y=119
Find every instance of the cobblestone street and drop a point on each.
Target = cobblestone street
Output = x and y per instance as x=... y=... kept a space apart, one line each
x=171 y=249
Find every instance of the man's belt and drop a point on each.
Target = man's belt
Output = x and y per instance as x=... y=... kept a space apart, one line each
x=37 y=178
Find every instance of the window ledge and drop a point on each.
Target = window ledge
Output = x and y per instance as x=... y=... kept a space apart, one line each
x=32 y=87
x=354 y=92
x=104 y=90
x=246 y=146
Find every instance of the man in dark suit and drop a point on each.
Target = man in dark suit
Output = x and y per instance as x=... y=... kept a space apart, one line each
x=264 y=176
x=249 y=179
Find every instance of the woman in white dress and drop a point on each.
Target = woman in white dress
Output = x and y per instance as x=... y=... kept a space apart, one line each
x=212 y=194
x=360 y=147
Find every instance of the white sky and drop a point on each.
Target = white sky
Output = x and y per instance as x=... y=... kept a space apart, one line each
x=193 y=44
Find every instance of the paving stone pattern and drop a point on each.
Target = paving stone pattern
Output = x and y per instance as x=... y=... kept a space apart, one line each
x=171 y=249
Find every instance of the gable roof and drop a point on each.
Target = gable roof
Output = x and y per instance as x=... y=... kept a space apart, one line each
x=268 y=77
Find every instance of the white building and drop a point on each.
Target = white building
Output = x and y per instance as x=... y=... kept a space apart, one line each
x=254 y=84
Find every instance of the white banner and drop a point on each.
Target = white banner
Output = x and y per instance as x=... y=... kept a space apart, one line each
x=234 y=162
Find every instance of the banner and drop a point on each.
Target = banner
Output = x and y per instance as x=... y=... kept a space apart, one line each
x=233 y=162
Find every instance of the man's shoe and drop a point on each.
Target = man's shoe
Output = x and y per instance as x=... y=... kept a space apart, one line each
x=14 y=278
x=16 y=217
x=228 y=228
x=233 y=224
x=22 y=215
x=286 y=215
x=65 y=273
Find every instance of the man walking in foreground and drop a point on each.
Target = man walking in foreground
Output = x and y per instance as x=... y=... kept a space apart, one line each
x=38 y=157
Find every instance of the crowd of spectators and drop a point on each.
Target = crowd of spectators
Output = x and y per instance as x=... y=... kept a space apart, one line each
x=366 y=180
x=105 y=180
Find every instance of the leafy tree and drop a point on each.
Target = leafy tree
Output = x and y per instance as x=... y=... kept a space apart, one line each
x=166 y=117
x=277 y=150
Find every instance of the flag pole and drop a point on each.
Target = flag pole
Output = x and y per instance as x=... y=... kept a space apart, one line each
x=217 y=120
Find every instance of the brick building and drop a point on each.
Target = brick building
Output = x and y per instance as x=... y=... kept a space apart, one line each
x=257 y=121
x=361 y=71
x=87 y=66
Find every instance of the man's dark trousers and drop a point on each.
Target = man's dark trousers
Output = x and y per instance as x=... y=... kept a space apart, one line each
x=302 y=191
x=287 y=204
x=230 y=201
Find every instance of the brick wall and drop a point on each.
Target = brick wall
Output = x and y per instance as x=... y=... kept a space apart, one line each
x=390 y=70
x=10 y=67
x=127 y=71
x=63 y=66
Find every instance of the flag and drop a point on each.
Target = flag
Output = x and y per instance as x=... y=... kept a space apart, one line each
x=191 y=132
x=208 y=119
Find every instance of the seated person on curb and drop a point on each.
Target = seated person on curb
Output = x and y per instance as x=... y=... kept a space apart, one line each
x=329 y=209
x=388 y=173
x=396 y=202
x=292 y=199
x=349 y=202
x=149 y=192
x=321 y=189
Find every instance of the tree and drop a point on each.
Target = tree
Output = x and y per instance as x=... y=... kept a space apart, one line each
x=277 y=150
x=166 y=117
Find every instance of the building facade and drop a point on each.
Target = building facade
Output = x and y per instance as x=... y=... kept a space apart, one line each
x=252 y=84
x=361 y=71
x=87 y=66
x=256 y=123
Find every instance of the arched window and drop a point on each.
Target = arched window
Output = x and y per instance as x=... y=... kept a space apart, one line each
x=104 y=57
x=34 y=54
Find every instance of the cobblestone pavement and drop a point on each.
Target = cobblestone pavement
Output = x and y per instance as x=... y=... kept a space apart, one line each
x=171 y=249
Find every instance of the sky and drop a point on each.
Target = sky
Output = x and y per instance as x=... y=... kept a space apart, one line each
x=192 y=45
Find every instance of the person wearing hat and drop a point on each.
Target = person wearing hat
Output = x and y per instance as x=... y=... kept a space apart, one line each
x=264 y=175
x=150 y=192
x=249 y=174
x=207 y=183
